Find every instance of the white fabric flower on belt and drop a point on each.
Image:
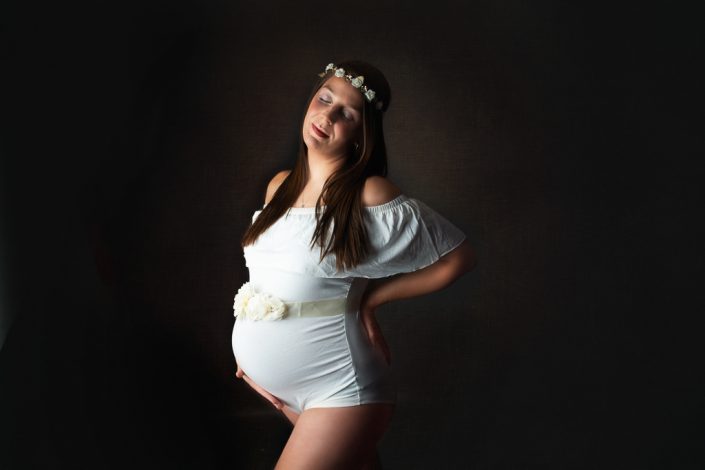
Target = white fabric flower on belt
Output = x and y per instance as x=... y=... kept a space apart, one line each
x=255 y=305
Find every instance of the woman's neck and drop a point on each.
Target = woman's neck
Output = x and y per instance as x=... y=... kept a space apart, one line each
x=322 y=166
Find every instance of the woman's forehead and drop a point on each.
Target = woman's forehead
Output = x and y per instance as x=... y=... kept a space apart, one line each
x=344 y=91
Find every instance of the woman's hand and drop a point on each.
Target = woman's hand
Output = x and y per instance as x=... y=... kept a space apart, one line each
x=369 y=322
x=271 y=398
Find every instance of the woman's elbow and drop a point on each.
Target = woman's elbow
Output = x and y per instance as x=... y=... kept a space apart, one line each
x=463 y=258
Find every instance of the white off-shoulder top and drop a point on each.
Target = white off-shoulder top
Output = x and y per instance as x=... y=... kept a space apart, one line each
x=405 y=235
x=329 y=361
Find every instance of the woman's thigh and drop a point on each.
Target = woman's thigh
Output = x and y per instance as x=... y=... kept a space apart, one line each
x=335 y=438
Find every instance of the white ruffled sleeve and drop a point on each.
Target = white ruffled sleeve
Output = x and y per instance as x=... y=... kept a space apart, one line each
x=405 y=235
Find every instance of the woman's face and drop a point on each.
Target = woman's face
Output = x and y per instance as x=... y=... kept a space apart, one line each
x=334 y=118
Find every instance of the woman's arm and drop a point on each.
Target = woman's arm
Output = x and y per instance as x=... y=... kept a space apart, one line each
x=437 y=276
x=378 y=190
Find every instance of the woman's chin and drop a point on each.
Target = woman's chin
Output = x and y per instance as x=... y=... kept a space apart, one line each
x=312 y=142
x=321 y=147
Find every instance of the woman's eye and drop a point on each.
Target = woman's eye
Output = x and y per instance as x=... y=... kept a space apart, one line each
x=347 y=116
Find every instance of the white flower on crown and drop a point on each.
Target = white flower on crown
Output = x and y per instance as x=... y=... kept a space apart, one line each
x=370 y=95
x=357 y=81
x=255 y=305
x=339 y=72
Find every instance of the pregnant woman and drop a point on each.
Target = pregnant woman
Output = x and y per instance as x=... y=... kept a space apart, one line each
x=335 y=240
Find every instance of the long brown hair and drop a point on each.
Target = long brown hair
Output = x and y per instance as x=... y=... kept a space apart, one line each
x=342 y=190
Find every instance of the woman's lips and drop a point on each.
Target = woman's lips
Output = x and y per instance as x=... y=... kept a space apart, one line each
x=319 y=132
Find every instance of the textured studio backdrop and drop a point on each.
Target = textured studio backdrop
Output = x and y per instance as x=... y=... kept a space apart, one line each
x=564 y=139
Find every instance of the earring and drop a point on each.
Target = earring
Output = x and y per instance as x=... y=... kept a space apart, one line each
x=357 y=145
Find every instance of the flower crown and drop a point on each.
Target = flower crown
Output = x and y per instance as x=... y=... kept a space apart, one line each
x=356 y=82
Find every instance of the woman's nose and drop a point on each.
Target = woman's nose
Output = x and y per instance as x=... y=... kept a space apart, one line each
x=328 y=115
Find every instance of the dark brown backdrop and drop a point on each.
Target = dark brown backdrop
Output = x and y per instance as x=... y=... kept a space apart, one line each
x=565 y=140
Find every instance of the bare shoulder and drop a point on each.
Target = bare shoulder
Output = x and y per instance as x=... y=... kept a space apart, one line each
x=274 y=184
x=378 y=190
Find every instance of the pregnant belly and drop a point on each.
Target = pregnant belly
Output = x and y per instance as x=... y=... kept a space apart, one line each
x=293 y=354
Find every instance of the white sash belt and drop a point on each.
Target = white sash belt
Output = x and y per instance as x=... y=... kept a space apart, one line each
x=255 y=305
x=316 y=308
